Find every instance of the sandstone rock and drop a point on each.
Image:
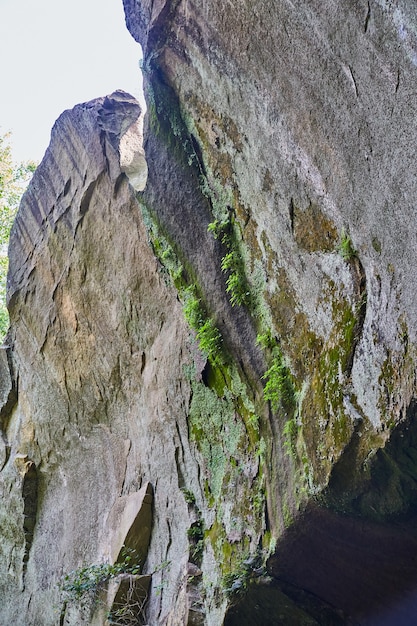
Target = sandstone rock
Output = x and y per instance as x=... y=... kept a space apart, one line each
x=129 y=525
x=296 y=121
x=239 y=333
x=92 y=324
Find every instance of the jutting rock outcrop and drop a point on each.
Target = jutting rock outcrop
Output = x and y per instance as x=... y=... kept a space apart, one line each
x=208 y=388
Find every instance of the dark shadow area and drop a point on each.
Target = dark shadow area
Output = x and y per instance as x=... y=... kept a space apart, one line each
x=389 y=489
x=363 y=568
x=402 y=613
x=180 y=201
x=268 y=603
x=353 y=561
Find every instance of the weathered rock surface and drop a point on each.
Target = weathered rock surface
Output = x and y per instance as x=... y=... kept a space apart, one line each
x=92 y=325
x=297 y=120
x=229 y=325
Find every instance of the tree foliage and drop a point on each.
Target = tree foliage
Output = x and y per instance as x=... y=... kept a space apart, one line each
x=14 y=179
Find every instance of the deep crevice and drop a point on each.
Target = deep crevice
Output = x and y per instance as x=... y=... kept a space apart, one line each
x=30 y=507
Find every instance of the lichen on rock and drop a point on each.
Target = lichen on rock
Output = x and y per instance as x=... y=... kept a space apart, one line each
x=230 y=319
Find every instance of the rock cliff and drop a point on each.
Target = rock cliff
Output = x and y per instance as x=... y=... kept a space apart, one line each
x=211 y=359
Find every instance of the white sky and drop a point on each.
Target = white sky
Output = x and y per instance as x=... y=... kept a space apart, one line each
x=55 y=54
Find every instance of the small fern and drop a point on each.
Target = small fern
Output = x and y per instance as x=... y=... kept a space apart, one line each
x=236 y=282
x=278 y=388
x=345 y=247
x=208 y=335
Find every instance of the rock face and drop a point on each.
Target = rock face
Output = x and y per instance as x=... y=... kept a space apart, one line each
x=222 y=338
x=92 y=324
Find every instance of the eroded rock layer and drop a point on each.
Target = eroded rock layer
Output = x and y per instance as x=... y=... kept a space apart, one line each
x=296 y=119
x=211 y=358
x=92 y=324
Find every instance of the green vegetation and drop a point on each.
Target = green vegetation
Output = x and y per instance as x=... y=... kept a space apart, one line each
x=208 y=335
x=195 y=312
x=225 y=428
x=217 y=431
x=236 y=582
x=225 y=416
x=188 y=496
x=82 y=586
x=195 y=536
x=171 y=266
x=290 y=432
x=218 y=228
x=13 y=181
x=236 y=282
x=278 y=388
x=196 y=530
x=345 y=247
x=230 y=437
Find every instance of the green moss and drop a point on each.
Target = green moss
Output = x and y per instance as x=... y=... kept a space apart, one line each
x=195 y=312
x=313 y=230
x=269 y=543
x=224 y=426
x=216 y=533
x=290 y=432
x=287 y=515
x=236 y=582
x=217 y=431
x=215 y=377
x=278 y=388
x=236 y=560
x=327 y=425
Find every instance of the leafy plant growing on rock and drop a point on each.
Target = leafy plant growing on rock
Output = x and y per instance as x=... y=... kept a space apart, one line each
x=278 y=388
x=83 y=585
x=188 y=496
x=196 y=530
x=236 y=283
x=345 y=247
x=195 y=535
x=207 y=333
x=219 y=229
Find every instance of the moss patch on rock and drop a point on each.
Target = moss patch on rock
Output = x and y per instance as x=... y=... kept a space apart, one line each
x=313 y=230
